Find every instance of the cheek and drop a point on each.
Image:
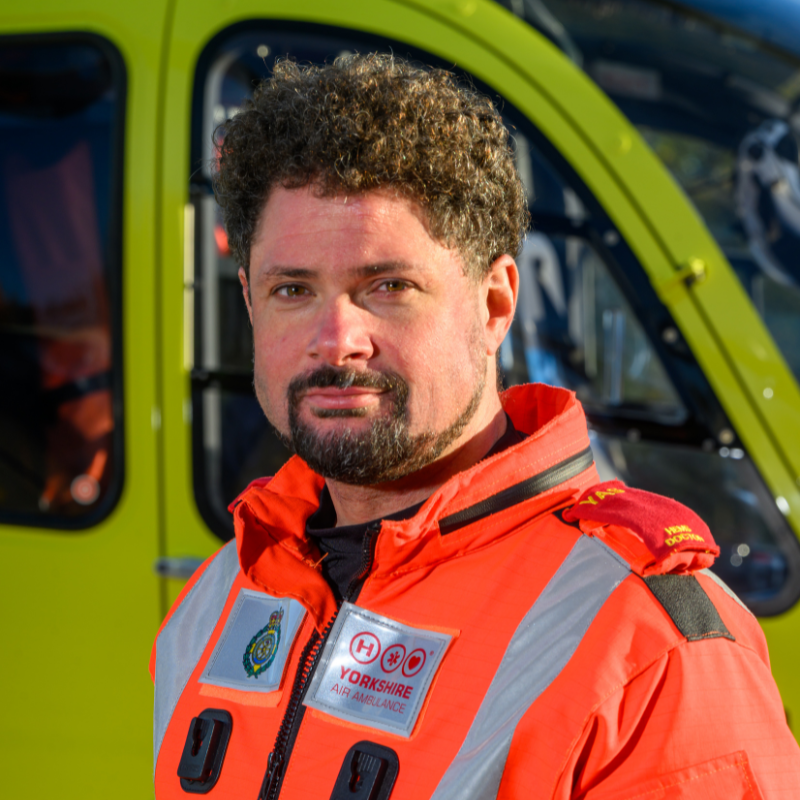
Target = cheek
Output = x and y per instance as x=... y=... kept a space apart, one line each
x=460 y=339
x=441 y=359
x=275 y=364
x=275 y=345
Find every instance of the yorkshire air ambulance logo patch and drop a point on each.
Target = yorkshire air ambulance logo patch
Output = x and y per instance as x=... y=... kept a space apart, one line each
x=376 y=672
x=260 y=653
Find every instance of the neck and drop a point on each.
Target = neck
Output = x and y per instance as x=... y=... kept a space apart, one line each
x=358 y=504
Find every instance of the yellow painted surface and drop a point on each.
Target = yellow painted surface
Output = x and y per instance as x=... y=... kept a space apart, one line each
x=80 y=608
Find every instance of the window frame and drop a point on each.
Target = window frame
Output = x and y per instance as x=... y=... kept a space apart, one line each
x=114 y=273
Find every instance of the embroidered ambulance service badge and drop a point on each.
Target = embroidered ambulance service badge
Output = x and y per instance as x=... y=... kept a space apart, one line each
x=260 y=653
x=254 y=663
x=375 y=671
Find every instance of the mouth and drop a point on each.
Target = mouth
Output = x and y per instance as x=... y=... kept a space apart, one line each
x=335 y=399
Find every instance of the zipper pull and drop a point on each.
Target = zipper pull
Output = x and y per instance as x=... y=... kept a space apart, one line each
x=272 y=776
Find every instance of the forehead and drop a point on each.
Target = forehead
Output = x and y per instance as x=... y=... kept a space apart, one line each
x=300 y=227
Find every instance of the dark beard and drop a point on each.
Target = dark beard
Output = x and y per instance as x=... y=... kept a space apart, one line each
x=384 y=452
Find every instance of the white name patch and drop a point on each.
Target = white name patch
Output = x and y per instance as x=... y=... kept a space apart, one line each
x=251 y=653
x=375 y=671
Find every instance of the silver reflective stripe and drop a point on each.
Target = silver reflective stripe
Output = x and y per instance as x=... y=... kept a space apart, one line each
x=725 y=588
x=542 y=645
x=184 y=638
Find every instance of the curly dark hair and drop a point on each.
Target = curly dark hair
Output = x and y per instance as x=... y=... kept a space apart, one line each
x=372 y=121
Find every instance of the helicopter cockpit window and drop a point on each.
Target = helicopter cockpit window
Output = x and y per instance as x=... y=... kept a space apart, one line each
x=577 y=326
x=60 y=409
x=574 y=328
x=722 y=110
x=587 y=319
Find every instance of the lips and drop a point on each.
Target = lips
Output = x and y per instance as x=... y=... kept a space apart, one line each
x=329 y=393
x=352 y=397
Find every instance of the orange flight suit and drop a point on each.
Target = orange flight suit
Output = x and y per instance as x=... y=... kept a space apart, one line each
x=588 y=653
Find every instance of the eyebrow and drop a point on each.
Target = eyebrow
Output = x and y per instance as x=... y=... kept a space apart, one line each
x=367 y=271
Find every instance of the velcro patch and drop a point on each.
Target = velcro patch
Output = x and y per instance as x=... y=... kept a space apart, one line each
x=664 y=525
x=251 y=653
x=375 y=671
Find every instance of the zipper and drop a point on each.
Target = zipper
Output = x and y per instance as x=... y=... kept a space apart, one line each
x=367 y=559
x=294 y=714
x=309 y=658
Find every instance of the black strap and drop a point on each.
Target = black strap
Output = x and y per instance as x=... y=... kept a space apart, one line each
x=519 y=492
x=689 y=607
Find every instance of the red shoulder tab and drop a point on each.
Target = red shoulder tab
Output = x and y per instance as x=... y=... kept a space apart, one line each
x=667 y=528
x=256 y=484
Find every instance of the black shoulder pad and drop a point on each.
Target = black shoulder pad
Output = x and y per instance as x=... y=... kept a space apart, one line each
x=689 y=606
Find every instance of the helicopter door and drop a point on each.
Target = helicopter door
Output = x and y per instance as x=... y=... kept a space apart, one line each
x=80 y=601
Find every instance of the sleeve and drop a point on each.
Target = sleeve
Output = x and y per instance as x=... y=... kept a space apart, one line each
x=704 y=721
x=184 y=591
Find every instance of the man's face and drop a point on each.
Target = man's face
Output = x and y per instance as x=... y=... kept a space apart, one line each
x=370 y=342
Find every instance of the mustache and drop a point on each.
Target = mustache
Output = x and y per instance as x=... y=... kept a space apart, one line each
x=329 y=377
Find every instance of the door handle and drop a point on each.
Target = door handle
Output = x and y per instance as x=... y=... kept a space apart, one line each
x=171 y=567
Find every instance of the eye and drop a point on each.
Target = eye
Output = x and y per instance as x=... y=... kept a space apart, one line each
x=291 y=290
x=394 y=286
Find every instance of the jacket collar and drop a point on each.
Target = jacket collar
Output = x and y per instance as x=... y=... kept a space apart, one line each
x=270 y=517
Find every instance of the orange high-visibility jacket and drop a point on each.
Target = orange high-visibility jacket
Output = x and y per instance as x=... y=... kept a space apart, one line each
x=500 y=645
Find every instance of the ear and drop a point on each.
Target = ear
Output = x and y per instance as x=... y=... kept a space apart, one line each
x=500 y=290
x=246 y=293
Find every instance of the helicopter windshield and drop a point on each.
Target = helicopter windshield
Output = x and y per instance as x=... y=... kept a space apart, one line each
x=721 y=108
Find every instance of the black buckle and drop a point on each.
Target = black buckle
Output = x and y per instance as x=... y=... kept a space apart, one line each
x=368 y=773
x=204 y=750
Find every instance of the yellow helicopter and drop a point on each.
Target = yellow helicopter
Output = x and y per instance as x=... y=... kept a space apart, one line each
x=659 y=280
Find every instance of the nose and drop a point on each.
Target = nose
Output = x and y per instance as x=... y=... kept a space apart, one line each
x=343 y=334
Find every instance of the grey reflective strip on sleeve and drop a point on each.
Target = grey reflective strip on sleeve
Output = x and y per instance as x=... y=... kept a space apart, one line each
x=184 y=638
x=542 y=645
x=725 y=588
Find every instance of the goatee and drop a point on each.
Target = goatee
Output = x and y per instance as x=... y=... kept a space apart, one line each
x=383 y=452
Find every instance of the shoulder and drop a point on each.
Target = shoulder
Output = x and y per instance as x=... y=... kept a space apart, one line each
x=669 y=550
x=654 y=534
x=208 y=586
x=666 y=663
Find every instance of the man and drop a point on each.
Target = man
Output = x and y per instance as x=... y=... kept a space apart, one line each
x=434 y=598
